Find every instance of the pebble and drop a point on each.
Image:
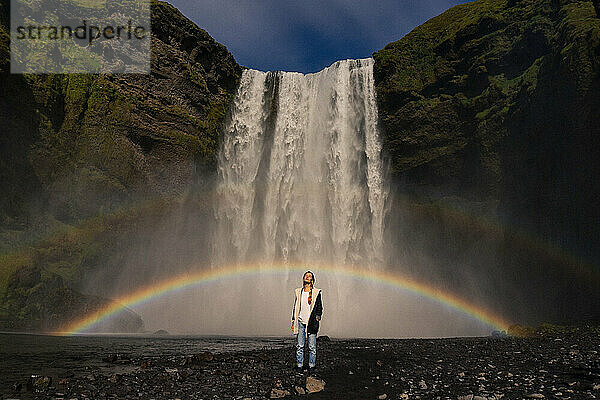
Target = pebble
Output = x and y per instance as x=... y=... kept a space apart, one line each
x=279 y=393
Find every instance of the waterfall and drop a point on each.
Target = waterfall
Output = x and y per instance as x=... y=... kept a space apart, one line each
x=300 y=170
x=300 y=181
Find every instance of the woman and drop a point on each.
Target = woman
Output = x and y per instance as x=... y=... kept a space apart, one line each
x=306 y=314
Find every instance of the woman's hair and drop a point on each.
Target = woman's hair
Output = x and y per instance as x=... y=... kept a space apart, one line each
x=312 y=283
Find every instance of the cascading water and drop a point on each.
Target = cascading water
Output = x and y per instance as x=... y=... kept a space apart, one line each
x=300 y=170
x=300 y=182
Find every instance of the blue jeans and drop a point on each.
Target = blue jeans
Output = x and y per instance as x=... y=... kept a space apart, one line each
x=312 y=346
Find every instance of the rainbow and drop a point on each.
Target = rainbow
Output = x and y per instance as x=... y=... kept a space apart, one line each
x=148 y=293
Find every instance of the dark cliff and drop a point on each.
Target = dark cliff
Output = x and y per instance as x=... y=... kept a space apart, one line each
x=118 y=135
x=86 y=160
x=490 y=116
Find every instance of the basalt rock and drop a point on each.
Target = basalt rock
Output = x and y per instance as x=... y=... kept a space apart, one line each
x=314 y=385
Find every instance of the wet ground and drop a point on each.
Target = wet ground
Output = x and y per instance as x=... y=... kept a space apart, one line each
x=551 y=367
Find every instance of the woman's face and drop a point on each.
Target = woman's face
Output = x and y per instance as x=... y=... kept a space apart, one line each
x=308 y=277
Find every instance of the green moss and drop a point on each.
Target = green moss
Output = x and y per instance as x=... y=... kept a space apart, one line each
x=9 y=263
x=213 y=123
x=580 y=22
x=416 y=61
x=65 y=253
x=202 y=143
x=548 y=329
x=197 y=77
x=190 y=142
x=483 y=114
x=552 y=329
x=413 y=58
x=77 y=89
x=456 y=19
x=4 y=49
x=98 y=4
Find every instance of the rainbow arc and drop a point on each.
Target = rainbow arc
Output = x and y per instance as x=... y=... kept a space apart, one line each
x=149 y=293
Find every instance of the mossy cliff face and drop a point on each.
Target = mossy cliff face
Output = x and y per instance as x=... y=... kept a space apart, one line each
x=492 y=110
x=121 y=136
x=80 y=153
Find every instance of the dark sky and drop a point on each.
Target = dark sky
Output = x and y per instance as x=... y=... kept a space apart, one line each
x=307 y=35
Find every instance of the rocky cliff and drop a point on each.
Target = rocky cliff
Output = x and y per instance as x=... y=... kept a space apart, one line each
x=490 y=116
x=76 y=150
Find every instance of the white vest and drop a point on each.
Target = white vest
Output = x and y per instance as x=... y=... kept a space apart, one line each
x=298 y=292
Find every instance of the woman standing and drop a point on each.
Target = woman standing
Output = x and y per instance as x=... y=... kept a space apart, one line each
x=306 y=314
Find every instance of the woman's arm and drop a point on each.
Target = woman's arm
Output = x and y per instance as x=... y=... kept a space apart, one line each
x=319 y=306
x=294 y=309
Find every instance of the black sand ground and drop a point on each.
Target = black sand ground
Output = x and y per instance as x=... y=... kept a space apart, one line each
x=552 y=367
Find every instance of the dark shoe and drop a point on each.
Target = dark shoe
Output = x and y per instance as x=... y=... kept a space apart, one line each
x=311 y=370
x=298 y=369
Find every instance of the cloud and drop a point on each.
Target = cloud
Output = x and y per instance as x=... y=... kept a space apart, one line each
x=308 y=35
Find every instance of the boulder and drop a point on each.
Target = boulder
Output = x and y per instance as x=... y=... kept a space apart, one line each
x=314 y=384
